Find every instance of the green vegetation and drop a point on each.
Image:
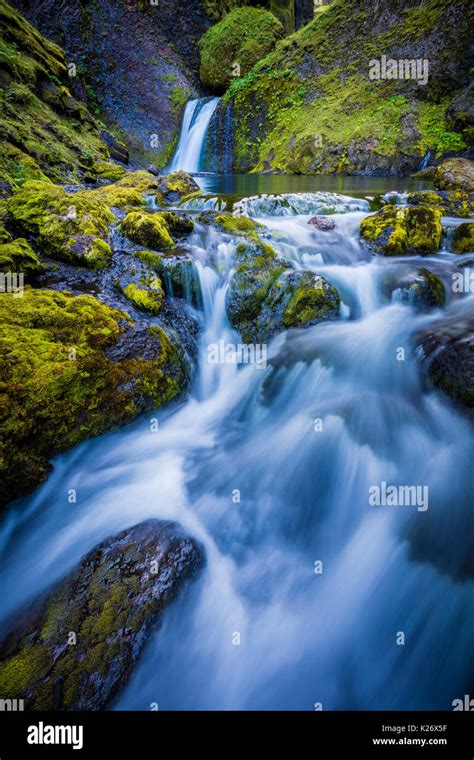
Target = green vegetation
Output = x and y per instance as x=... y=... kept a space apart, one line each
x=231 y=47
x=148 y=229
x=305 y=109
x=463 y=238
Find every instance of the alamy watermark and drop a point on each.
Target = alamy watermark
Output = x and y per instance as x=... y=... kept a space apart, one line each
x=405 y=68
x=463 y=282
x=242 y=353
x=399 y=496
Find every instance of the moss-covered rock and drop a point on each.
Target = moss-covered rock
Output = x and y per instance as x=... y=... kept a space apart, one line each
x=148 y=229
x=111 y=601
x=400 y=230
x=173 y=188
x=235 y=224
x=451 y=203
x=455 y=174
x=73 y=227
x=462 y=240
x=177 y=224
x=265 y=297
x=44 y=130
x=108 y=170
x=71 y=368
x=147 y=296
x=234 y=45
x=18 y=256
x=257 y=268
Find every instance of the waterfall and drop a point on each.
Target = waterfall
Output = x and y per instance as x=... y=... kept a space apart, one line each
x=425 y=161
x=197 y=115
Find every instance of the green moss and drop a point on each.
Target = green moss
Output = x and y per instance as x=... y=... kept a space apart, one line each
x=284 y=11
x=73 y=227
x=57 y=384
x=244 y=36
x=45 y=131
x=304 y=109
x=451 y=203
x=108 y=170
x=147 y=229
x=18 y=256
x=17 y=673
x=398 y=230
x=172 y=188
x=463 y=238
x=235 y=224
x=153 y=260
x=310 y=304
x=146 y=297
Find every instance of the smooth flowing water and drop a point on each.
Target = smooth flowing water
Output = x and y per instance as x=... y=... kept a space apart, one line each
x=189 y=153
x=270 y=469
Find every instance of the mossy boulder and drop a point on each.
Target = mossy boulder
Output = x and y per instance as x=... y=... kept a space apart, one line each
x=148 y=229
x=173 y=188
x=178 y=275
x=401 y=230
x=72 y=227
x=462 y=240
x=449 y=202
x=177 y=224
x=111 y=602
x=265 y=297
x=18 y=256
x=233 y=46
x=71 y=368
x=455 y=174
x=419 y=288
x=257 y=267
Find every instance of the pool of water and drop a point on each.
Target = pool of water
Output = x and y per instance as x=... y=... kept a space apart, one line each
x=241 y=185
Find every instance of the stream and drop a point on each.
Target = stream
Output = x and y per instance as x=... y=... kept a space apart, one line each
x=307 y=587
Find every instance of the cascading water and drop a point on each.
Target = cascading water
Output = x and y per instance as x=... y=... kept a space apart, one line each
x=189 y=153
x=260 y=628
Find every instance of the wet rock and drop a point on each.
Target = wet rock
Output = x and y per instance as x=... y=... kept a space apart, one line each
x=401 y=230
x=448 y=352
x=148 y=229
x=420 y=288
x=322 y=223
x=265 y=297
x=108 y=606
x=117 y=150
x=153 y=170
x=455 y=174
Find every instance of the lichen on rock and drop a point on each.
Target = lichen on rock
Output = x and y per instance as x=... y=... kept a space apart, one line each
x=111 y=601
x=401 y=230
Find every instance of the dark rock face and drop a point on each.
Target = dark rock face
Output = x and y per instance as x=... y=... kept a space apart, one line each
x=448 y=348
x=140 y=59
x=107 y=606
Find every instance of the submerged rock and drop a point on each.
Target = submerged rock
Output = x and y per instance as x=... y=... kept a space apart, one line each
x=72 y=368
x=91 y=628
x=322 y=223
x=401 y=230
x=455 y=174
x=265 y=297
